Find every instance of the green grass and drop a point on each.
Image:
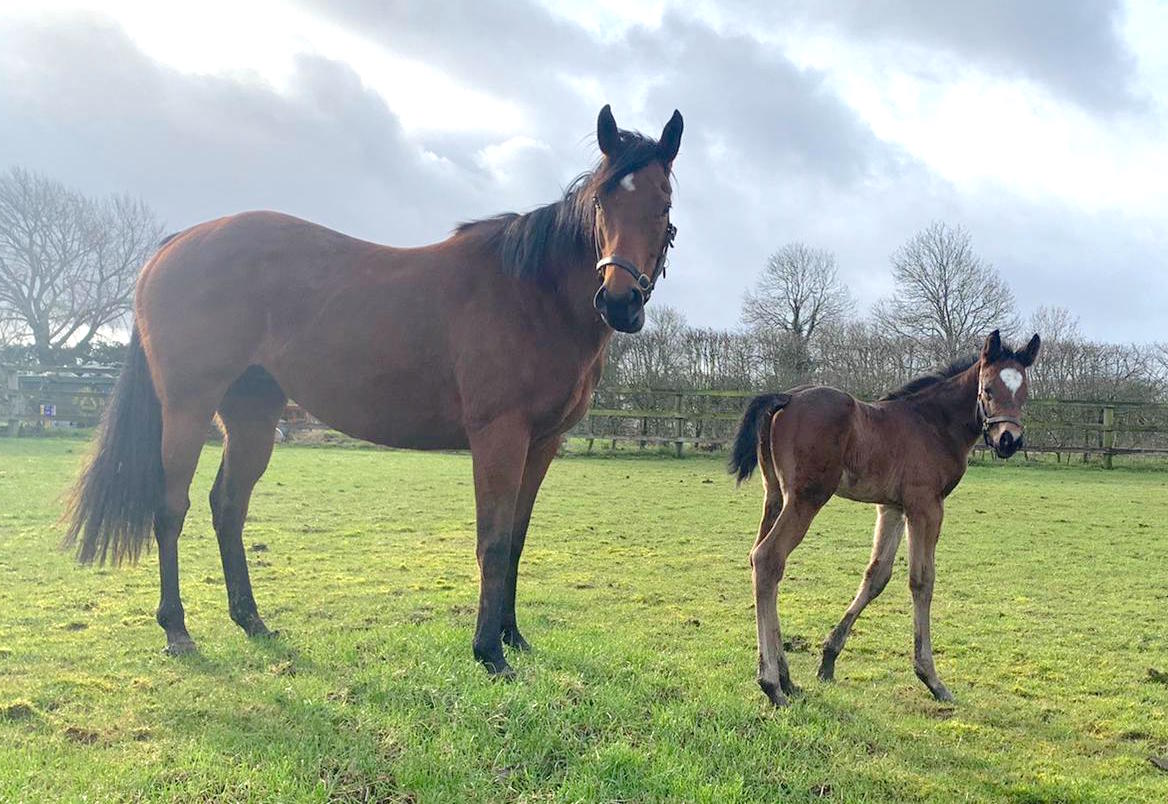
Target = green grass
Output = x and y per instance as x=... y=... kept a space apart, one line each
x=1050 y=609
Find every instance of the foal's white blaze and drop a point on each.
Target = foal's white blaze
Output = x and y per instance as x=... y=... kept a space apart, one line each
x=628 y=183
x=1011 y=378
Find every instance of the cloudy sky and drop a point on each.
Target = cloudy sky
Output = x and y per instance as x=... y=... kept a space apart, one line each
x=1041 y=126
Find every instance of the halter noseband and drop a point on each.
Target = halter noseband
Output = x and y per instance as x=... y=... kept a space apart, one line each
x=987 y=420
x=643 y=282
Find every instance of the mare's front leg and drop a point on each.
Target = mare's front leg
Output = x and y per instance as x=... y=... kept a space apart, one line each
x=499 y=453
x=924 y=528
x=539 y=458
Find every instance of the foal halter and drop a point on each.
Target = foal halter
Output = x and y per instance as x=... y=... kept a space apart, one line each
x=644 y=282
x=983 y=414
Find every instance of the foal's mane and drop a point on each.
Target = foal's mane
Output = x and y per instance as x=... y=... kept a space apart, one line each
x=535 y=244
x=915 y=386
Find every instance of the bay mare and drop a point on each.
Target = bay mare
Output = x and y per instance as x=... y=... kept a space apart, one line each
x=492 y=339
x=905 y=453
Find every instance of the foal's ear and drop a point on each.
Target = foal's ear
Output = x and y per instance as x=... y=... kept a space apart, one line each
x=670 y=138
x=993 y=347
x=1026 y=356
x=607 y=134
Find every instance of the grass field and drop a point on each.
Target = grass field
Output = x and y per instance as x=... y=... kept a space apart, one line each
x=1051 y=610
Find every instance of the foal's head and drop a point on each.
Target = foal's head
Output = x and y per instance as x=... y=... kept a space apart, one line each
x=1002 y=391
x=631 y=200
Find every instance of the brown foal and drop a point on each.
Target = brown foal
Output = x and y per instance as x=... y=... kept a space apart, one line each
x=492 y=339
x=905 y=453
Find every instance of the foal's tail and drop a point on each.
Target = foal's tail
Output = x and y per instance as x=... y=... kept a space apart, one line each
x=112 y=507
x=755 y=428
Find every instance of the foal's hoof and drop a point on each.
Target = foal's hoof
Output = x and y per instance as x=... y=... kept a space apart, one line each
x=773 y=693
x=941 y=693
x=826 y=672
x=180 y=646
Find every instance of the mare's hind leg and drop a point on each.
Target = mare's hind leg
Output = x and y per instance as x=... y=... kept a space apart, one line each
x=183 y=432
x=889 y=529
x=249 y=413
x=768 y=560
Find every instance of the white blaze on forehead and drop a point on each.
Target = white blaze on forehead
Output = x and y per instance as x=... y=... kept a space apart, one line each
x=1012 y=378
x=627 y=182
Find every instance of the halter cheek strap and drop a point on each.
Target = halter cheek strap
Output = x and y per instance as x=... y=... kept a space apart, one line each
x=987 y=420
x=644 y=282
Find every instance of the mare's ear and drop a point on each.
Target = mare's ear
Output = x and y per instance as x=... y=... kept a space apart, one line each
x=1027 y=356
x=670 y=140
x=607 y=134
x=992 y=349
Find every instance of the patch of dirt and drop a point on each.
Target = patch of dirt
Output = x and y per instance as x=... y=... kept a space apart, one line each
x=1160 y=763
x=76 y=626
x=1157 y=676
x=80 y=735
x=796 y=644
x=1132 y=735
x=419 y=616
x=259 y=547
x=284 y=668
x=18 y=710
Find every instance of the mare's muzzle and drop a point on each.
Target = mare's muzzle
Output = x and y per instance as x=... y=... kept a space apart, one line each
x=624 y=314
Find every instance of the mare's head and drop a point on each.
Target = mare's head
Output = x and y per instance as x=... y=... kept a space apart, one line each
x=1002 y=392
x=631 y=195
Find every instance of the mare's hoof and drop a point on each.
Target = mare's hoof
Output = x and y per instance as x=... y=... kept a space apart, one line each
x=516 y=640
x=180 y=646
x=773 y=693
x=500 y=672
x=258 y=629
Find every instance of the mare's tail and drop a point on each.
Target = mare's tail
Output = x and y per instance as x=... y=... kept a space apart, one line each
x=111 y=511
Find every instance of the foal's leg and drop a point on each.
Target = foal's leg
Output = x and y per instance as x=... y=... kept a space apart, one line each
x=499 y=452
x=889 y=529
x=539 y=457
x=183 y=433
x=768 y=560
x=924 y=528
x=249 y=413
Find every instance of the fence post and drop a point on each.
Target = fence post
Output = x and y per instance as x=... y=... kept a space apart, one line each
x=1108 y=435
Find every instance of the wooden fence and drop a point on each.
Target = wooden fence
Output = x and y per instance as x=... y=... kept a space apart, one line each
x=701 y=420
x=707 y=420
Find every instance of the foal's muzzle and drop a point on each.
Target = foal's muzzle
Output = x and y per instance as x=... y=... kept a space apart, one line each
x=625 y=313
x=1008 y=445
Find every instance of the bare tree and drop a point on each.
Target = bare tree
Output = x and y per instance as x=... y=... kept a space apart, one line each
x=68 y=263
x=947 y=297
x=798 y=292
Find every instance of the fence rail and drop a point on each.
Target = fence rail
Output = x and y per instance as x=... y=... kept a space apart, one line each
x=707 y=420
x=698 y=419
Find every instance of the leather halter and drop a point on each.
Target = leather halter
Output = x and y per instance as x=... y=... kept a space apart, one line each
x=987 y=420
x=644 y=283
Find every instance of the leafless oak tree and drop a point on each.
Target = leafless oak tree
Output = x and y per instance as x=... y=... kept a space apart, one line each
x=946 y=297
x=798 y=293
x=68 y=263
